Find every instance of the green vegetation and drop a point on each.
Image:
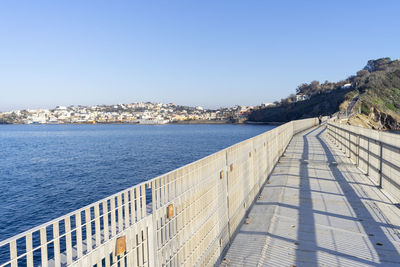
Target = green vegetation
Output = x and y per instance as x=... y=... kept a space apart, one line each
x=9 y=119
x=391 y=106
x=379 y=87
x=364 y=109
x=319 y=104
x=375 y=88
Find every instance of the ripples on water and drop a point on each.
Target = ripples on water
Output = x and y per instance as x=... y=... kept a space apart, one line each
x=49 y=170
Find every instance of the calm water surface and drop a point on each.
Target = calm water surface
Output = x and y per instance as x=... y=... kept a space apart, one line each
x=49 y=170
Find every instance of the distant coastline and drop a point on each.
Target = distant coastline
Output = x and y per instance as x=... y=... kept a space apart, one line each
x=149 y=123
x=204 y=122
x=265 y=122
x=137 y=112
x=135 y=123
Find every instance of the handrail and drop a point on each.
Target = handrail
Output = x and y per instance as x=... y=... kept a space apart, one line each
x=365 y=136
x=376 y=153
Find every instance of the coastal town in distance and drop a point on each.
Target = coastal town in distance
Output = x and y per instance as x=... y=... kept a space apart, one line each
x=140 y=113
x=159 y=113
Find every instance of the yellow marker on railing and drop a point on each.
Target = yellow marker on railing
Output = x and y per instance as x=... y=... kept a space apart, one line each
x=170 y=211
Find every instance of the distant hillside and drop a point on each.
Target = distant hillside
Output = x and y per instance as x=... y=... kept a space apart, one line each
x=371 y=98
x=318 y=104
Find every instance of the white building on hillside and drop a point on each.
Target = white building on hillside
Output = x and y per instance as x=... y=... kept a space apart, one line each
x=302 y=97
x=264 y=105
x=345 y=86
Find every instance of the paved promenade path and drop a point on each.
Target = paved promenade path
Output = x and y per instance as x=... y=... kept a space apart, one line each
x=318 y=209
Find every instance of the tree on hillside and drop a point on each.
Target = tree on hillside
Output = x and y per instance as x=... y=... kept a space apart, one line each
x=301 y=88
x=309 y=89
x=377 y=64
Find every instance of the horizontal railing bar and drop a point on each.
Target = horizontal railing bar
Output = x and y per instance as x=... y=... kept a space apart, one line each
x=370 y=138
x=365 y=149
x=380 y=160
x=373 y=154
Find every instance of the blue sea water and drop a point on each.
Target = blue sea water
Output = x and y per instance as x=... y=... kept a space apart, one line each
x=47 y=171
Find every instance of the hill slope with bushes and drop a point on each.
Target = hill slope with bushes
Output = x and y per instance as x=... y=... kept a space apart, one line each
x=371 y=98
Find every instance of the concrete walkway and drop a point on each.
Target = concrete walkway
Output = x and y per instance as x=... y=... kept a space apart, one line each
x=318 y=209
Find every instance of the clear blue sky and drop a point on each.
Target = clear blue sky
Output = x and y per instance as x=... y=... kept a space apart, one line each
x=210 y=53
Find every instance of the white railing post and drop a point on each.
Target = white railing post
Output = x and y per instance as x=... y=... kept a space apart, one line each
x=380 y=163
x=153 y=257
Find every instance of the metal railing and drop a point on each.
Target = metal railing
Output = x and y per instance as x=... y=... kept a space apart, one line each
x=195 y=212
x=375 y=152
